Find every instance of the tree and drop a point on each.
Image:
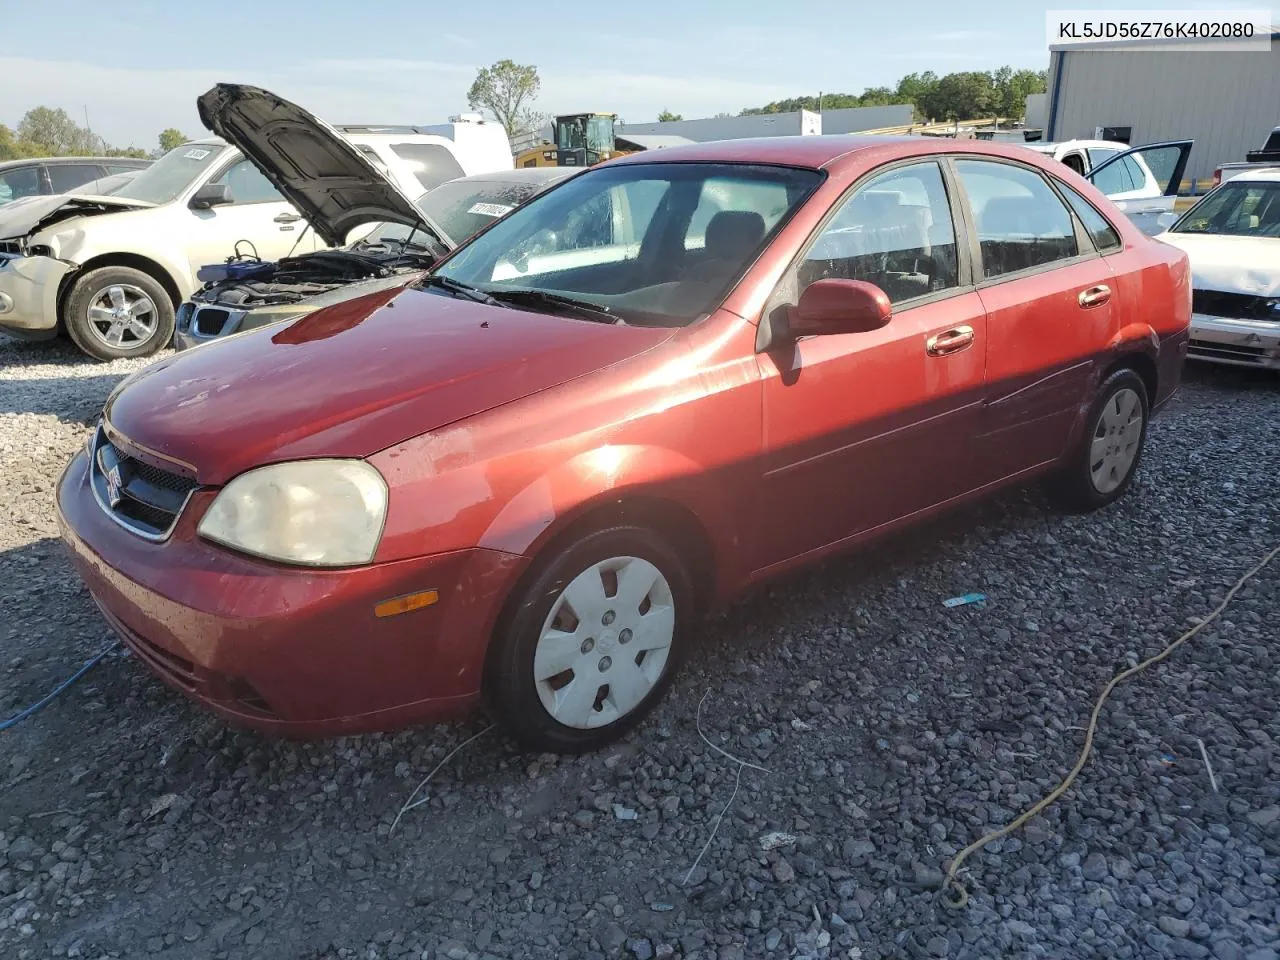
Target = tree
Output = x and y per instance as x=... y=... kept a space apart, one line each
x=506 y=90
x=170 y=138
x=11 y=148
x=666 y=116
x=960 y=96
x=1012 y=88
x=55 y=132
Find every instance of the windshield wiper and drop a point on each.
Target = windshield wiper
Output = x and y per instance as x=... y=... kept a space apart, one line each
x=457 y=288
x=542 y=298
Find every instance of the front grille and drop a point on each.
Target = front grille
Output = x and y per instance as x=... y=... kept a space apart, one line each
x=1230 y=352
x=140 y=497
x=1238 y=306
x=209 y=321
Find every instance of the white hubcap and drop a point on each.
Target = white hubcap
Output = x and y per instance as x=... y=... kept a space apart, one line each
x=1115 y=440
x=604 y=643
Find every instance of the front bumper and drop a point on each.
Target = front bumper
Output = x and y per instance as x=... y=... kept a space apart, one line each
x=29 y=294
x=198 y=323
x=281 y=649
x=1240 y=342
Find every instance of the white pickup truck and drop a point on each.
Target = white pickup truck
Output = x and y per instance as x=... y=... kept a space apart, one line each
x=1267 y=157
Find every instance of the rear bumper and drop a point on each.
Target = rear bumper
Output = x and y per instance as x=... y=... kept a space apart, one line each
x=1239 y=342
x=286 y=650
x=29 y=294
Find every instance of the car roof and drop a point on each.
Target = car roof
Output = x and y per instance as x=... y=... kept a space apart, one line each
x=820 y=151
x=27 y=161
x=1268 y=174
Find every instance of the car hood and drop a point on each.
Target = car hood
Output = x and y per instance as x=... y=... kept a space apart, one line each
x=26 y=216
x=1231 y=264
x=319 y=171
x=354 y=379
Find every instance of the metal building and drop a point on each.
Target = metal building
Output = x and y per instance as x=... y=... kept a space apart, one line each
x=1226 y=101
x=798 y=122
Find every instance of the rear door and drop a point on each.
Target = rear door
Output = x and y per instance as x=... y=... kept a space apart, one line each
x=1047 y=296
x=1144 y=181
x=67 y=177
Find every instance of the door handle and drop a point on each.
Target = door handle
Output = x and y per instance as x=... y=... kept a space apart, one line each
x=949 y=341
x=288 y=218
x=1094 y=296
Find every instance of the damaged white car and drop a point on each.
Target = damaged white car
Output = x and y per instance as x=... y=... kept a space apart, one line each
x=1233 y=239
x=112 y=270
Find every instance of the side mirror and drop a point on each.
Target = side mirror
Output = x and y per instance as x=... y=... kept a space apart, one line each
x=1166 y=219
x=840 y=306
x=211 y=195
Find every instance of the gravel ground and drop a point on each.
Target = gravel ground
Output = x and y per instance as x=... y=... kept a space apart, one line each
x=893 y=731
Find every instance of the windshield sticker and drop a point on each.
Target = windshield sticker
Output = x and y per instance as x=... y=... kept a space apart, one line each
x=490 y=209
x=196 y=154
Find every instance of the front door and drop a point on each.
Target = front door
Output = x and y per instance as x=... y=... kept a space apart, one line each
x=1144 y=182
x=1047 y=296
x=258 y=215
x=864 y=428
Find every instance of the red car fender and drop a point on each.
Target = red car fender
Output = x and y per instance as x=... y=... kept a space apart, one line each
x=602 y=477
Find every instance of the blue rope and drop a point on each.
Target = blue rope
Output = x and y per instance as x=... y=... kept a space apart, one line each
x=22 y=715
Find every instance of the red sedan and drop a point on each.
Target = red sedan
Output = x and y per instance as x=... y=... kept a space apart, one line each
x=667 y=379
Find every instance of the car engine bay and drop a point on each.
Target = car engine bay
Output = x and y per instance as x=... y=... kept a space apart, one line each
x=294 y=279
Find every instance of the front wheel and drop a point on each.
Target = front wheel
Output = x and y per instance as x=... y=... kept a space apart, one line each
x=1106 y=459
x=592 y=643
x=116 y=312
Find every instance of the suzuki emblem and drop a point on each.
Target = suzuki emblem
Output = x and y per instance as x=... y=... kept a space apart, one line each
x=113 y=486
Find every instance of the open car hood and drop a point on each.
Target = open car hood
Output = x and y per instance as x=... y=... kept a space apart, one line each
x=319 y=171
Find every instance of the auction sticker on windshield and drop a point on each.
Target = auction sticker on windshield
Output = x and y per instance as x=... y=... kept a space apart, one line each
x=490 y=209
x=196 y=154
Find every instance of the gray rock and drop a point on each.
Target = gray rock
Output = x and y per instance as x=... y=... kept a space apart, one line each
x=1095 y=867
x=1174 y=926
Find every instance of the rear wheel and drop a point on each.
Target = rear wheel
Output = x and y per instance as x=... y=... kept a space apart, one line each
x=593 y=642
x=115 y=312
x=1106 y=459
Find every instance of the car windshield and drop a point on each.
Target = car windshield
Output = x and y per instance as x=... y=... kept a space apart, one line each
x=169 y=176
x=1236 y=209
x=650 y=242
x=463 y=207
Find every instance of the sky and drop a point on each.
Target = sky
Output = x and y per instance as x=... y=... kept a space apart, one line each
x=138 y=65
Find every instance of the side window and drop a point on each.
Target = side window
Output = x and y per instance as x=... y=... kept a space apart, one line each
x=1119 y=177
x=895 y=231
x=432 y=163
x=247 y=184
x=19 y=183
x=68 y=176
x=1075 y=162
x=1104 y=235
x=1021 y=222
x=113 y=169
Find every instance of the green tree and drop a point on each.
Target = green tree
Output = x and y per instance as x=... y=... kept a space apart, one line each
x=170 y=138
x=55 y=132
x=960 y=96
x=506 y=90
x=136 y=152
x=666 y=116
x=12 y=148
x=1012 y=88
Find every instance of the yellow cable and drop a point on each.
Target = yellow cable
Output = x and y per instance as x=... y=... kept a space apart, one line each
x=953 y=893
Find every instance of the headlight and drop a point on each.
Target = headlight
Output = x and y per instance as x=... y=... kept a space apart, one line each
x=317 y=513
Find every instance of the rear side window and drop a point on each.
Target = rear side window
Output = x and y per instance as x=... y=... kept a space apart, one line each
x=1021 y=222
x=1104 y=235
x=19 y=183
x=433 y=164
x=68 y=176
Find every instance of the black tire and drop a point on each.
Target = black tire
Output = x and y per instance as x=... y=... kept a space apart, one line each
x=96 y=284
x=511 y=692
x=1075 y=487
